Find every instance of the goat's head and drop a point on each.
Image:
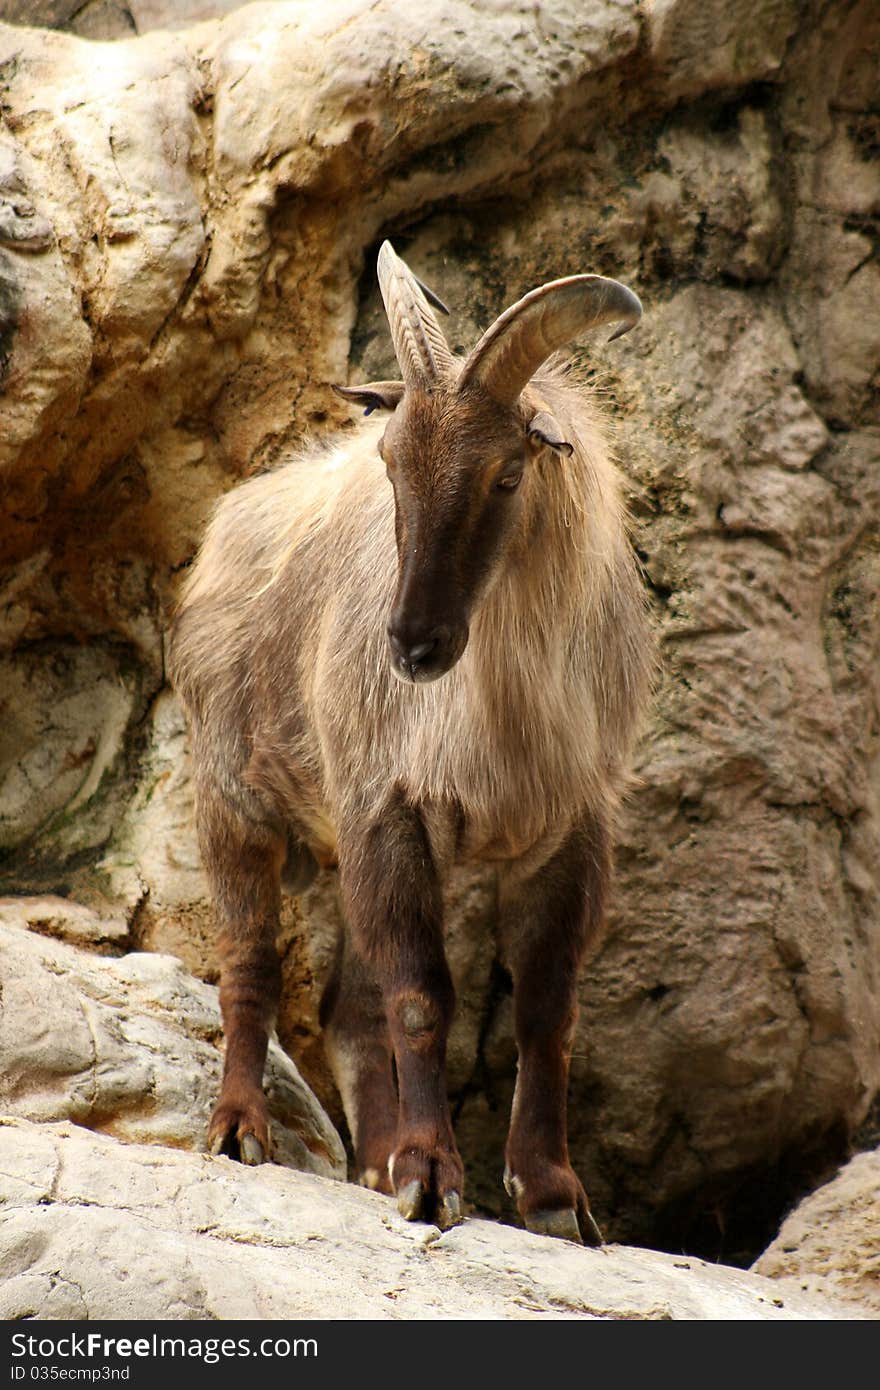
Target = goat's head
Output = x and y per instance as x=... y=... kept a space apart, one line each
x=460 y=445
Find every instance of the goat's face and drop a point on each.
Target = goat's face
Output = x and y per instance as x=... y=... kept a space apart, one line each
x=458 y=465
x=459 y=444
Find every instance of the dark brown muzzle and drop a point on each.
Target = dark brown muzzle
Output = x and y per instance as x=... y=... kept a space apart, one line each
x=422 y=647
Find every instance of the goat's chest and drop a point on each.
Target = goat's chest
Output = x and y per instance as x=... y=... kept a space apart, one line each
x=510 y=765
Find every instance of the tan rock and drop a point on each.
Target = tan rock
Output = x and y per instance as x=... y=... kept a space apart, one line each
x=154 y=865
x=845 y=357
x=66 y=920
x=70 y=709
x=176 y=14
x=836 y=188
x=130 y=1047
x=215 y=1240
x=699 y=46
x=830 y=1244
x=718 y=207
x=41 y=313
x=93 y=19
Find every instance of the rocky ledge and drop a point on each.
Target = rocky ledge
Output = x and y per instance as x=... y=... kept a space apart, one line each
x=215 y=1240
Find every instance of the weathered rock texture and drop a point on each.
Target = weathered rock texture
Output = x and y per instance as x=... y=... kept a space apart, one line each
x=113 y=19
x=186 y=260
x=214 y=1240
x=830 y=1244
x=67 y=920
x=129 y=1047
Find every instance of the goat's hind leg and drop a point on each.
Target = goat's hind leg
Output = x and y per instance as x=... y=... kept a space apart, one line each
x=243 y=862
x=358 y=1048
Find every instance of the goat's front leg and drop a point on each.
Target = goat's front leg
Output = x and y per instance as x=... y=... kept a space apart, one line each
x=394 y=907
x=548 y=920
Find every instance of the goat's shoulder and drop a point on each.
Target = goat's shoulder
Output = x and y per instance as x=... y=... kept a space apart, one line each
x=260 y=524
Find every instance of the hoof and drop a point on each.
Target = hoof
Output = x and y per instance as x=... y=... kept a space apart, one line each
x=247 y=1150
x=566 y=1224
x=575 y=1223
x=448 y=1211
x=561 y=1224
x=593 y=1233
x=410 y=1199
x=428 y=1181
x=250 y=1150
x=415 y=1204
x=240 y=1132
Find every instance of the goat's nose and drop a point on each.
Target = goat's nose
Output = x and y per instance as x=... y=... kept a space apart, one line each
x=420 y=650
x=409 y=653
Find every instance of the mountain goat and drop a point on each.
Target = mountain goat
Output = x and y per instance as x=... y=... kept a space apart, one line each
x=391 y=679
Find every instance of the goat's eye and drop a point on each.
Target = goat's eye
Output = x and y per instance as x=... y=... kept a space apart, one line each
x=510 y=482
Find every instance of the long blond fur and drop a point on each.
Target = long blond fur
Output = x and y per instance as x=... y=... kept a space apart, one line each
x=280 y=651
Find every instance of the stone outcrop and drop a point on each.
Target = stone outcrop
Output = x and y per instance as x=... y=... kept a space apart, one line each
x=830 y=1243
x=113 y=19
x=129 y=1047
x=215 y=1240
x=188 y=223
x=67 y=920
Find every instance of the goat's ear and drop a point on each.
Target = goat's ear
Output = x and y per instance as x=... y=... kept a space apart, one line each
x=544 y=429
x=373 y=395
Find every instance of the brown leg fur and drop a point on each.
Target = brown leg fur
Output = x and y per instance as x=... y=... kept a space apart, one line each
x=358 y=1047
x=548 y=923
x=243 y=863
x=393 y=903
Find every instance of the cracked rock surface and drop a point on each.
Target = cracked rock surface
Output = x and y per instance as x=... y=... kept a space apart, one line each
x=218 y=1241
x=130 y=1047
x=188 y=227
x=830 y=1243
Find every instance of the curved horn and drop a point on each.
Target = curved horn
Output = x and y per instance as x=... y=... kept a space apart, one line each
x=511 y=351
x=419 y=344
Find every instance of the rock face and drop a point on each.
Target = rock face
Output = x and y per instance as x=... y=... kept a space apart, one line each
x=112 y=19
x=187 y=238
x=214 y=1240
x=66 y=920
x=830 y=1244
x=129 y=1047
